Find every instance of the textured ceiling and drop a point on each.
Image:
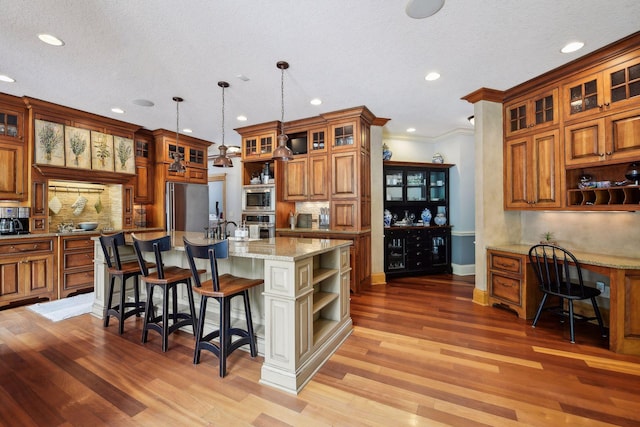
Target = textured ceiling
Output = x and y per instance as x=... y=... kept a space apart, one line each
x=348 y=53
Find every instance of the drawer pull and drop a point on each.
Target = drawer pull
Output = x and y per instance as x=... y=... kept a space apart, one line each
x=506 y=284
x=35 y=246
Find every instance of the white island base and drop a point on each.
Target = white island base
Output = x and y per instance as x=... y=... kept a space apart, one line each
x=302 y=314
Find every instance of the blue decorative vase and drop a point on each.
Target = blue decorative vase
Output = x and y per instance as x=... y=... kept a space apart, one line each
x=426 y=217
x=440 y=219
x=387 y=218
x=386 y=154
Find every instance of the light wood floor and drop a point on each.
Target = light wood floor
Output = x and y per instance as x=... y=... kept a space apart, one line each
x=421 y=354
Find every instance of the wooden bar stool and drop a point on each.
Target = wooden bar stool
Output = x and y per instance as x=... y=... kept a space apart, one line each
x=123 y=271
x=222 y=288
x=168 y=278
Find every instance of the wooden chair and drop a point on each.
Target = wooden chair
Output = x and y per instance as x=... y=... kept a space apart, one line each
x=168 y=278
x=222 y=288
x=123 y=271
x=552 y=266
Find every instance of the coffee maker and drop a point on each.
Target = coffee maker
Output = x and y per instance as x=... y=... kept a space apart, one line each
x=14 y=221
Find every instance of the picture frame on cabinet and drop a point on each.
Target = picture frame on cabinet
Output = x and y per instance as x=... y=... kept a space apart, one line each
x=124 y=160
x=101 y=151
x=77 y=148
x=49 y=143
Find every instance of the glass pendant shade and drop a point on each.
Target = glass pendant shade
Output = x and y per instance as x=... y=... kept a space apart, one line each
x=222 y=161
x=282 y=152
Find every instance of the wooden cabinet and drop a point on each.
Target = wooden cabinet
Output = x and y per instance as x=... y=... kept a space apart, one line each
x=531 y=112
x=27 y=269
x=75 y=264
x=306 y=178
x=414 y=251
x=39 y=210
x=512 y=283
x=613 y=138
x=13 y=149
x=193 y=152
x=259 y=146
x=603 y=91
x=144 y=168
x=128 y=206
x=532 y=171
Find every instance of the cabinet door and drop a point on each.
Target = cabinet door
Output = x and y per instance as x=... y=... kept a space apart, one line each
x=318 y=140
x=127 y=206
x=622 y=85
x=584 y=142
x=144 y=182
x=344 y=168
x=23 y=277
x=12 y=173
x=318 y=177
x=623 y=136
x=344 y=136
x=583 y=98
x=532 y=171
x=258 y=146
x=295 y=187
x=537 y=111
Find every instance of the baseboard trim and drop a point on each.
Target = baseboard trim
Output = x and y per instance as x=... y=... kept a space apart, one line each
x=480 y=297
x=464 y=269
x=378 y=279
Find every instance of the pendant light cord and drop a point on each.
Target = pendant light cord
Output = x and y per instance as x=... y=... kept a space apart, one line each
x=282 y=98
x=223 y=115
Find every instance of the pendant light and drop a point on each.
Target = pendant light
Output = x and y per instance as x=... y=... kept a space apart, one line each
x=282 y=152
x=177 y=165
x=222 y=161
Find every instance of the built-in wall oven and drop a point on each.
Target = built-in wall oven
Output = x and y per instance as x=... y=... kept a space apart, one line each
x=264 y=223
x=259 y=198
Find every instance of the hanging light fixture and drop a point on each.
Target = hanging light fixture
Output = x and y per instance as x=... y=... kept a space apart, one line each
x=222 y=161
x=177 y=165
x=282 y=152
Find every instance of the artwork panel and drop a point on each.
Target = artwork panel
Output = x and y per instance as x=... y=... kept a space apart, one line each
x=124 y=159
x=77 y=147
x=49 y=143
x=101 y=151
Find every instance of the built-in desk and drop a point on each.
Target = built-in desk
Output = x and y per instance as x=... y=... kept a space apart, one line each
x=511 y=282
x=301 y=314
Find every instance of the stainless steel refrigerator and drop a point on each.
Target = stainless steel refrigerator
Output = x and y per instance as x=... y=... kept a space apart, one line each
x=187 y=206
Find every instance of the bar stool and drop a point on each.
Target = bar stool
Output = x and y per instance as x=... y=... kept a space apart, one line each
x=168 y=278
x=222 y=288
x=123 y=271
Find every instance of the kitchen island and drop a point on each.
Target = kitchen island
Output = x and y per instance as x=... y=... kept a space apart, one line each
x=301 y=314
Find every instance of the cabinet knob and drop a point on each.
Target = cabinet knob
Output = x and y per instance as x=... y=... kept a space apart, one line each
x=609 y=153
x=602 y=154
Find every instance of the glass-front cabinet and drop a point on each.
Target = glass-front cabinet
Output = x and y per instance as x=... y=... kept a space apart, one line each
x=417 y=231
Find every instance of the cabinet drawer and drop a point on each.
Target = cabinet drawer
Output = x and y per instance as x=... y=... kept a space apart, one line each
x=79 y=279
x=506 y=288
x=77 y=244
x=506 y=263
x=27 y=247
x=78 y=259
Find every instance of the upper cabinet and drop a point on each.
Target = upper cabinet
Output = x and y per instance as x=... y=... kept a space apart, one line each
x=192 y=152
x=531 y=112
x=590 y=126
x=613 y=89
x=13 y=149
x=144 y=152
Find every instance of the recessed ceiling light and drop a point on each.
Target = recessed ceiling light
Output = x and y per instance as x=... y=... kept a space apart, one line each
x=50 y=39
x=241 y=118
x=316 y=101
x=143 y=102
x=432 y=76
x=572 y=47
x=419 y=9
x=187 y=130
x=243 y=77
x=7 y=79
x=117 y=110
x=411 y=130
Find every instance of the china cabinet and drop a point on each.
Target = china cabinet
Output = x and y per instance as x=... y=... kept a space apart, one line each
x=415 y=194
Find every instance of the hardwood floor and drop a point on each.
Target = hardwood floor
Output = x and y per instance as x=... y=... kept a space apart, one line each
x=421 y=354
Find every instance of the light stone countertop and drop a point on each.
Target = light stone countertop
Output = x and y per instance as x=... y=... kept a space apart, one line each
x=603 y=260
x=275 y=248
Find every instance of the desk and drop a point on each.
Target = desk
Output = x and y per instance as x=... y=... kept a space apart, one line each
x=511 y=282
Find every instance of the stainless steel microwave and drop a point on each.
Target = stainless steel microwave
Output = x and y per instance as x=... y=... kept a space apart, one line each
x=259 y=198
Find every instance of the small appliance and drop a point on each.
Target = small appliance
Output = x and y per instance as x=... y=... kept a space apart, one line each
x=259 y=198
x=14 y=221
x=265 y=224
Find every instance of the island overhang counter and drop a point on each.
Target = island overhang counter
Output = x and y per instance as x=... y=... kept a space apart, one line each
x=301 y=314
